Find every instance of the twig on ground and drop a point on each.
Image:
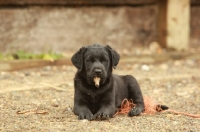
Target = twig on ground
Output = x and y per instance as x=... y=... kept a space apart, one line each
x=32 y=111
x=54 y=87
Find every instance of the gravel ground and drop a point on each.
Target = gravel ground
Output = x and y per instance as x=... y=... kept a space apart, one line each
x=41 y=99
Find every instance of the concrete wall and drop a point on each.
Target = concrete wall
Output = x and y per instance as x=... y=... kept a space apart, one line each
x=61 y=29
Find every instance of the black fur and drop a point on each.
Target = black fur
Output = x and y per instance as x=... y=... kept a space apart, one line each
x=101 y=103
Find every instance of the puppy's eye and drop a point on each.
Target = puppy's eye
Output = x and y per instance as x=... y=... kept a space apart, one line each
x=89 y=60
x=104 y=60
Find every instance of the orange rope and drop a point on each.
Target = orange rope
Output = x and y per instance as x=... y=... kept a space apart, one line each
x=126 y=106
x=150 y=108
x=183 y=113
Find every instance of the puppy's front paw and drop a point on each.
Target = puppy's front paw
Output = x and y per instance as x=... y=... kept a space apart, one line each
x=101 y=116
x=88 y=116
x=135 y=111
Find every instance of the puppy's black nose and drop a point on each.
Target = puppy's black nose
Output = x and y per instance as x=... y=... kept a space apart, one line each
x=98 y=71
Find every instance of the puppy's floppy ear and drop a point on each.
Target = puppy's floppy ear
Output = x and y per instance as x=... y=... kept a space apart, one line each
x=77 y=58
x=114 y=56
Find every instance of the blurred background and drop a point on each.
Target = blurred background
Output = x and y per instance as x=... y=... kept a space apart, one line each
x=63 y=26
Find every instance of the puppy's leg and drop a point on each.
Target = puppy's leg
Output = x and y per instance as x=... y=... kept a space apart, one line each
x=136 y=95
x=107 y=107
x=83 y=112
x=81 y=107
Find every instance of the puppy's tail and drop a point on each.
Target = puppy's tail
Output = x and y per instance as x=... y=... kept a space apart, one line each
x=164 y=107
x=152 y=107
x=160 y=108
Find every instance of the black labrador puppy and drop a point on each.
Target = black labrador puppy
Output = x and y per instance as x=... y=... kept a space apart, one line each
x=101 y=102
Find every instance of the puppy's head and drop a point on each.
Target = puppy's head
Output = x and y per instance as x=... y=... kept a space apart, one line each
x=95 y=61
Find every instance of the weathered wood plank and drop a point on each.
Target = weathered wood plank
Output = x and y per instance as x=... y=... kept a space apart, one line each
x=195 y=2
x=76 y=2
x=14 y=65
x=84 y=2
x=162 y=22
x=147 y=59
x=178 y=24
x=155 y=58
x=173 y=24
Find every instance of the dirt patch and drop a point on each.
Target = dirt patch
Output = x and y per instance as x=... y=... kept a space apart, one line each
x=44 y=96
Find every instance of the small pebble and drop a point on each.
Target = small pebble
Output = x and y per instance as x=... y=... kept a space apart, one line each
x=145 y=68
x=84 y=121
x=69 y=109
x=54 y=103
x=177 y=63
x=175 y=123
x=64 y=68
x=21 y=75
x=3 y=73
x=190 y=62
x=164 y=67
x=48 y=68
